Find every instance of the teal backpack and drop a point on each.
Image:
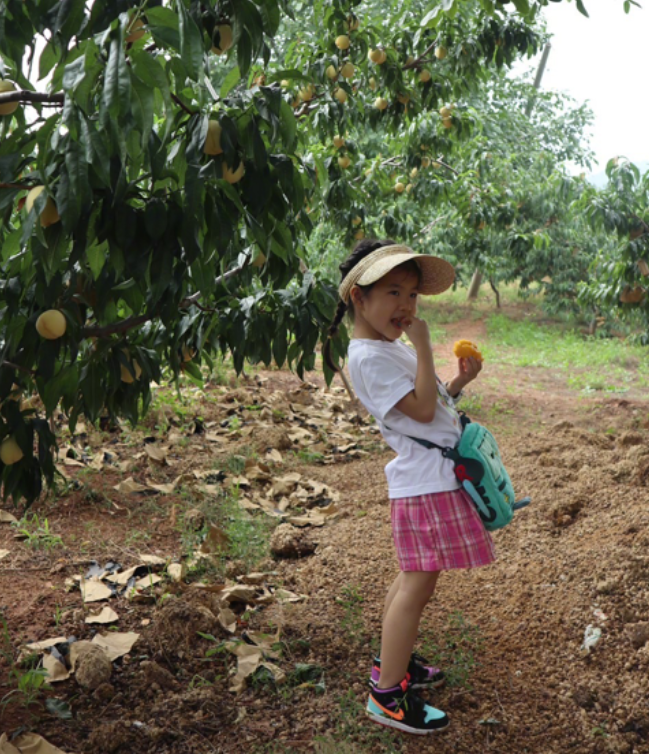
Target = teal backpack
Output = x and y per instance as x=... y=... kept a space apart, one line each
x=480 y=470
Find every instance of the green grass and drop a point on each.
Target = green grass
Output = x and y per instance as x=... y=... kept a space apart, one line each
x=589 y=363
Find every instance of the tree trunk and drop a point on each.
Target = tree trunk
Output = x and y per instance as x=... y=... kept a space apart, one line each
x=496 y=291
x=474 y=288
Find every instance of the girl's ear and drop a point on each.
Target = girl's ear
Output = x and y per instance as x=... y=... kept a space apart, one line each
x=356 y=295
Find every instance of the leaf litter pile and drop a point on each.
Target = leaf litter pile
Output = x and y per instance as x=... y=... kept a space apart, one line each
x=156 y=625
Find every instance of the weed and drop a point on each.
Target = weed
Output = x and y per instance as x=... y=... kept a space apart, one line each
x=29 y=683
x=352 y=622
x=352 y=725
x=309 y=456
x=36 y=533
x=457 y=653
x=589 y=364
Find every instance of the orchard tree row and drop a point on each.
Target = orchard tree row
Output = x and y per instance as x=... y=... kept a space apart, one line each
x=162 y=165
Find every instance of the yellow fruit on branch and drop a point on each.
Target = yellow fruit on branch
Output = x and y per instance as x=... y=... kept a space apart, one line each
x=446 y=112
x=126 y=374
x=400 y=187
x=377 y=56
x=233 y=176
x=340 y=95
x=7 y=108
x=372 y=83
x=409 y=188
x=10 y=451
x=49 y=215
x=344 y=161
x=447 y=122
x=348 y=70
x=306 y=94
x=135 y=30
x=380 y=103
x=425 y=162
x=359 y=235
x=356 y=221
x=463 y=349
x=425 y=76
x=403 y=98
x=342 y=42
x=260 y=258
x=352 y=23
x=213 y=139
x=51 y=324
x=410 y=60
x=441 y=53
x=339 y=142
x=413 y=172
x=437 y=164
x=222 y=39
x=332 y=72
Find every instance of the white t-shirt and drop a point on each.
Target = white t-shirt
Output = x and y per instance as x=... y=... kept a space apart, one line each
x=382 y=374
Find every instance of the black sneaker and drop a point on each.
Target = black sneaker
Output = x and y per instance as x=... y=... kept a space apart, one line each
x=402 y=709
x=421 y=675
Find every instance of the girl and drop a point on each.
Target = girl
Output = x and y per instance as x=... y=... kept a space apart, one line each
x=435 y=526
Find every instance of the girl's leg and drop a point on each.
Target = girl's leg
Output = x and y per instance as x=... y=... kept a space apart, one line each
x=390 y=596
x=401 y=623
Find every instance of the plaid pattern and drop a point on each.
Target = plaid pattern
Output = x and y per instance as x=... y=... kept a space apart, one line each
x=438 y=532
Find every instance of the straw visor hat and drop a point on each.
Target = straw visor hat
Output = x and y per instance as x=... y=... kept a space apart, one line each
x=436 y=274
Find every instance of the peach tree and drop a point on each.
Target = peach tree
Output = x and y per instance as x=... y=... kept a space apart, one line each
x=162 y=163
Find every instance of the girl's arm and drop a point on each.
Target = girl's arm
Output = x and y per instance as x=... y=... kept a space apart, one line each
x=420 y=404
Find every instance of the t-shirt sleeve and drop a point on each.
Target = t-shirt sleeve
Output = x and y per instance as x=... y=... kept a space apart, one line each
x=385 y=383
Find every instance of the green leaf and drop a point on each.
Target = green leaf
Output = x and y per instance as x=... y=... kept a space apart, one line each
x=582 y=9
x=191 y=43
x=143 y=104
x=230 y=81
x=287 y=126
x=117 y=82
x=11 y=244
x=96 y=256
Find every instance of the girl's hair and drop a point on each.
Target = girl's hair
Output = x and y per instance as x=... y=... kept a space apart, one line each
x=361 y=250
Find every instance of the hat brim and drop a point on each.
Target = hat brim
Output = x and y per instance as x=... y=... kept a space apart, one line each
x=437 y=275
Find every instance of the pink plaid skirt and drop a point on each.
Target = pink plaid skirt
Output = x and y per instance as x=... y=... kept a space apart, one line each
x=438 y=532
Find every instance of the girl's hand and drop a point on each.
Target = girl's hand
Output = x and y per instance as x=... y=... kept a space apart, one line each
x=417 y=331
x=468 y=369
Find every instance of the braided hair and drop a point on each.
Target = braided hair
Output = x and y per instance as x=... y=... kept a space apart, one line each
x=361 y=250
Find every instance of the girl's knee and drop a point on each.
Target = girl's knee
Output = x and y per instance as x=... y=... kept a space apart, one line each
x=420 y=585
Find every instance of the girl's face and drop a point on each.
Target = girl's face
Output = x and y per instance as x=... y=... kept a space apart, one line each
x=383 y=312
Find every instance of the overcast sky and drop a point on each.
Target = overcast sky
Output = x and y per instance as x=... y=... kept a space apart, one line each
x=604 y=59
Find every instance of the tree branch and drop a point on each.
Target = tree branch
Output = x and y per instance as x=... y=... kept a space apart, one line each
x=195 y=297
x=20 y=186
x=17 y=367
x=178 y=101
x=119 y=327
x=34 y=97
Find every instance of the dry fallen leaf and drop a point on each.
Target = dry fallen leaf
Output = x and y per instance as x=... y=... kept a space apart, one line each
x=129 y=486
x=56 y=670
x=156 y=453
x=7 y=518
x=238 y=593
x=107 y=615
x=94 y=591
x=4 y=553
x=165 y=489
x=37 y=646
x=27 y=743
x=176 y=571
x=116 y=644
x=228 y=620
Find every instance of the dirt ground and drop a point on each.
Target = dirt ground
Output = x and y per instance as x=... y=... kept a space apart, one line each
x=509 y=635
